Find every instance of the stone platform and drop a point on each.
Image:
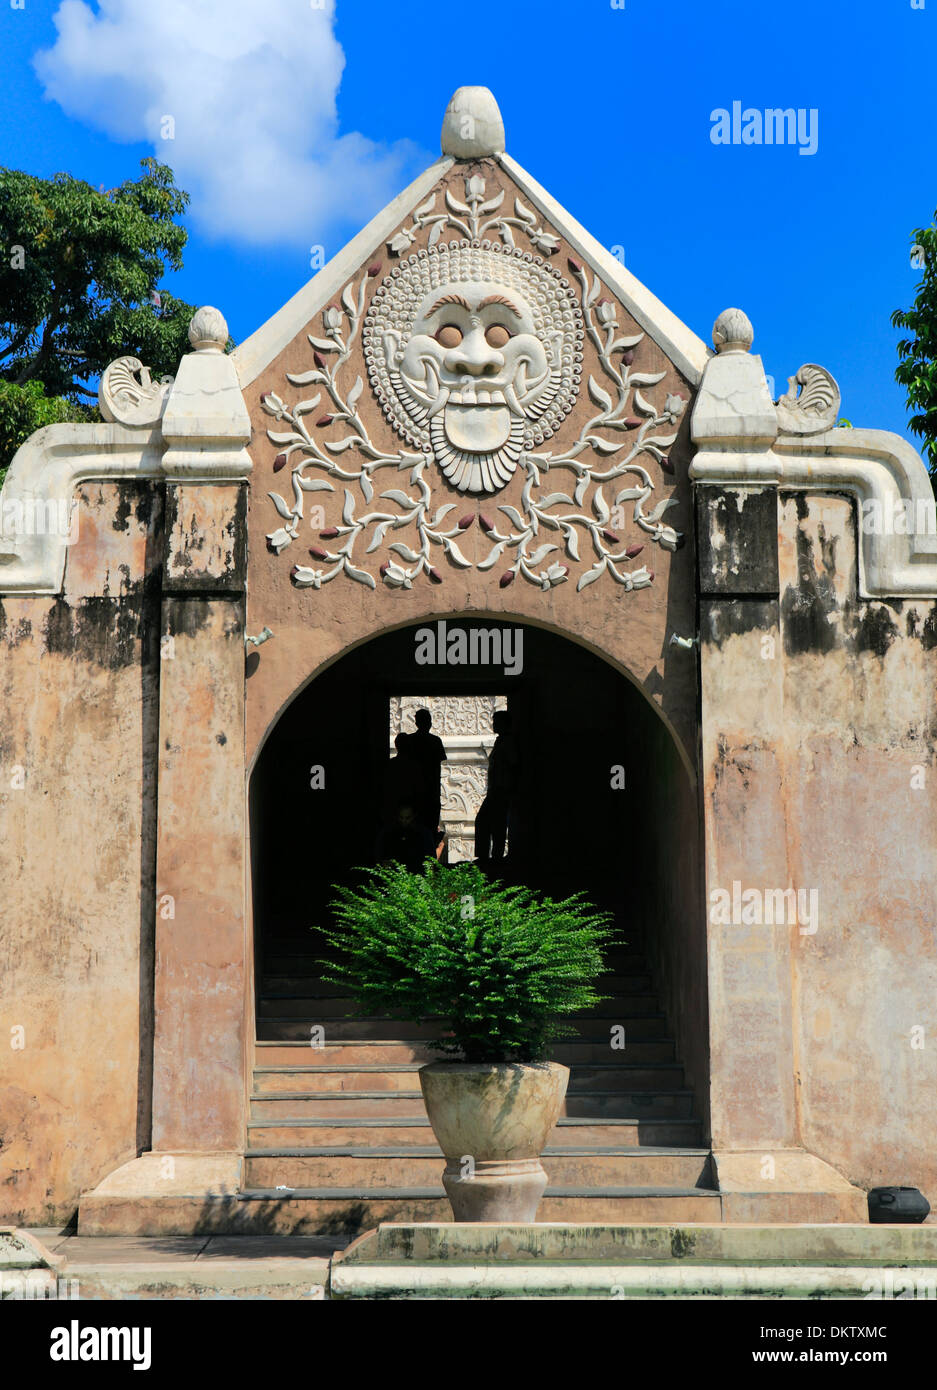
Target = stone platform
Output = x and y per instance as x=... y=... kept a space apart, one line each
x=482 y=1261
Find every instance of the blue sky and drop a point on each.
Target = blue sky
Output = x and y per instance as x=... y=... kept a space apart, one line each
x=294 y=124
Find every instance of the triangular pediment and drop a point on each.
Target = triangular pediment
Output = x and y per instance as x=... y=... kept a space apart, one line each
x=473 y=345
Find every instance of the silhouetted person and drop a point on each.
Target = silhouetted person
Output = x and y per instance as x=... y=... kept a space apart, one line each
x=491 y=823
x=406 y=841
x=404 y=783
x=429 y=754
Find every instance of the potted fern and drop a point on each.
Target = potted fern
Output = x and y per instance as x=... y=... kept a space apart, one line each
x=497 y=967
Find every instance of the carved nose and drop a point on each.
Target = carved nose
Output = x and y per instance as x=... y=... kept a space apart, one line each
x=475 y=355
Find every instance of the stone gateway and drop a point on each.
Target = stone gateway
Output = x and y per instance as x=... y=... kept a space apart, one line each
x=473 y=466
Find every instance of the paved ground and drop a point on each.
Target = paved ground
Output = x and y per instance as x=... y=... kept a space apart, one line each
x=265 y=1267
x=180 y=1249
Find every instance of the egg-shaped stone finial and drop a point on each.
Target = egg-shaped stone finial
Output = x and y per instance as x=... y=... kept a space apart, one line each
x=733 y=332
x=208 y=331
x=472 y=126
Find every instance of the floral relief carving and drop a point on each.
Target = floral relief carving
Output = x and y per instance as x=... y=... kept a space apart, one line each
x=474 y=350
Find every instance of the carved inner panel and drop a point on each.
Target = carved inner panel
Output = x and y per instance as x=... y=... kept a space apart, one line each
x=463 y=722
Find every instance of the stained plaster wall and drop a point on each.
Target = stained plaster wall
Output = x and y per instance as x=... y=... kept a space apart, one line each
x=79 y=689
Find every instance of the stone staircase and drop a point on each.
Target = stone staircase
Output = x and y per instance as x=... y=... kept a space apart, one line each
x=338 y=1138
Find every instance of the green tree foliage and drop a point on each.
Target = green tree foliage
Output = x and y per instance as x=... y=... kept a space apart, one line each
x=498 y=965
x=24 y=409
x=78 y=269
x=917 y=370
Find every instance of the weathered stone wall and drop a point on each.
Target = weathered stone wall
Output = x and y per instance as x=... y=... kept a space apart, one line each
x=79 y=686
x=819 y=723
x=860 y=715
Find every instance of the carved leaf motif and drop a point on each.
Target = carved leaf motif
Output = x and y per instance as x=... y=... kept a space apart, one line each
x=348 y=300
x=323 y=344
x=492 y=556
x=348 y=510
x=454 y=205
x=600 y=506
x=555 y=497
x=523 y=213
x=661 y=507
x=600 y=396
x=643 y=405
x=623 y=344
x=454 y=553
x=378 y=538
x=404 y=550
x=314 y=484
x=492 y=203
x=426 y=207
x=395 y=495
x=514 y=516
x=281 y=506
x=539 y=553
x=305 y=378
x=355 y=391
x=361 y=576
x=646 y=378
x=589 y=577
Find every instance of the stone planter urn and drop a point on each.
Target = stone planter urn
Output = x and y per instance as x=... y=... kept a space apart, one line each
x=492 y=1121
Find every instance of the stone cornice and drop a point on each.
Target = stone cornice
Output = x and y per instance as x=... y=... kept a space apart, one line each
x=739 y=442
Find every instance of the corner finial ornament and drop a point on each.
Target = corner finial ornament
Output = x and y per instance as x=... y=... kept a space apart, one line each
x=472 y=126
x=733 y=332
x=816 y=408
x=128 y=396
x=208 y=330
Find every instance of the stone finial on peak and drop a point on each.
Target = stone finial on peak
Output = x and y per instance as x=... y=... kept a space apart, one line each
x=733 y=332
x=472 y=126
x=208 y=331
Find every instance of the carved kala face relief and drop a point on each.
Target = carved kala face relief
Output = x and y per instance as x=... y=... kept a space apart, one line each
x=475 y=355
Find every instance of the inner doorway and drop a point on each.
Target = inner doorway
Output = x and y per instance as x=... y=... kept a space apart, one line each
x=605 y=804
x=464 y=723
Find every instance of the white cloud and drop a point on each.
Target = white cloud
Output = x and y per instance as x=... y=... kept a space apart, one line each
x=251 y=88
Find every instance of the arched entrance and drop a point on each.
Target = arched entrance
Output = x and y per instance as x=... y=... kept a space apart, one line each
x=606 y=806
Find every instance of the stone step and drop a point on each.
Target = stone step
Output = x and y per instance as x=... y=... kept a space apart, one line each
x=636 y=1080
x=270 y=1029
x=364 y=1169
x=414 y=1130
x=338 y=1016
x=403 y=1102
x=288 y=1051
x=310 y=1211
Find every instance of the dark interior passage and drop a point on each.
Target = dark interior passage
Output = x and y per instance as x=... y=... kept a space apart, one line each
x=605 y=806
x=597 y=771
